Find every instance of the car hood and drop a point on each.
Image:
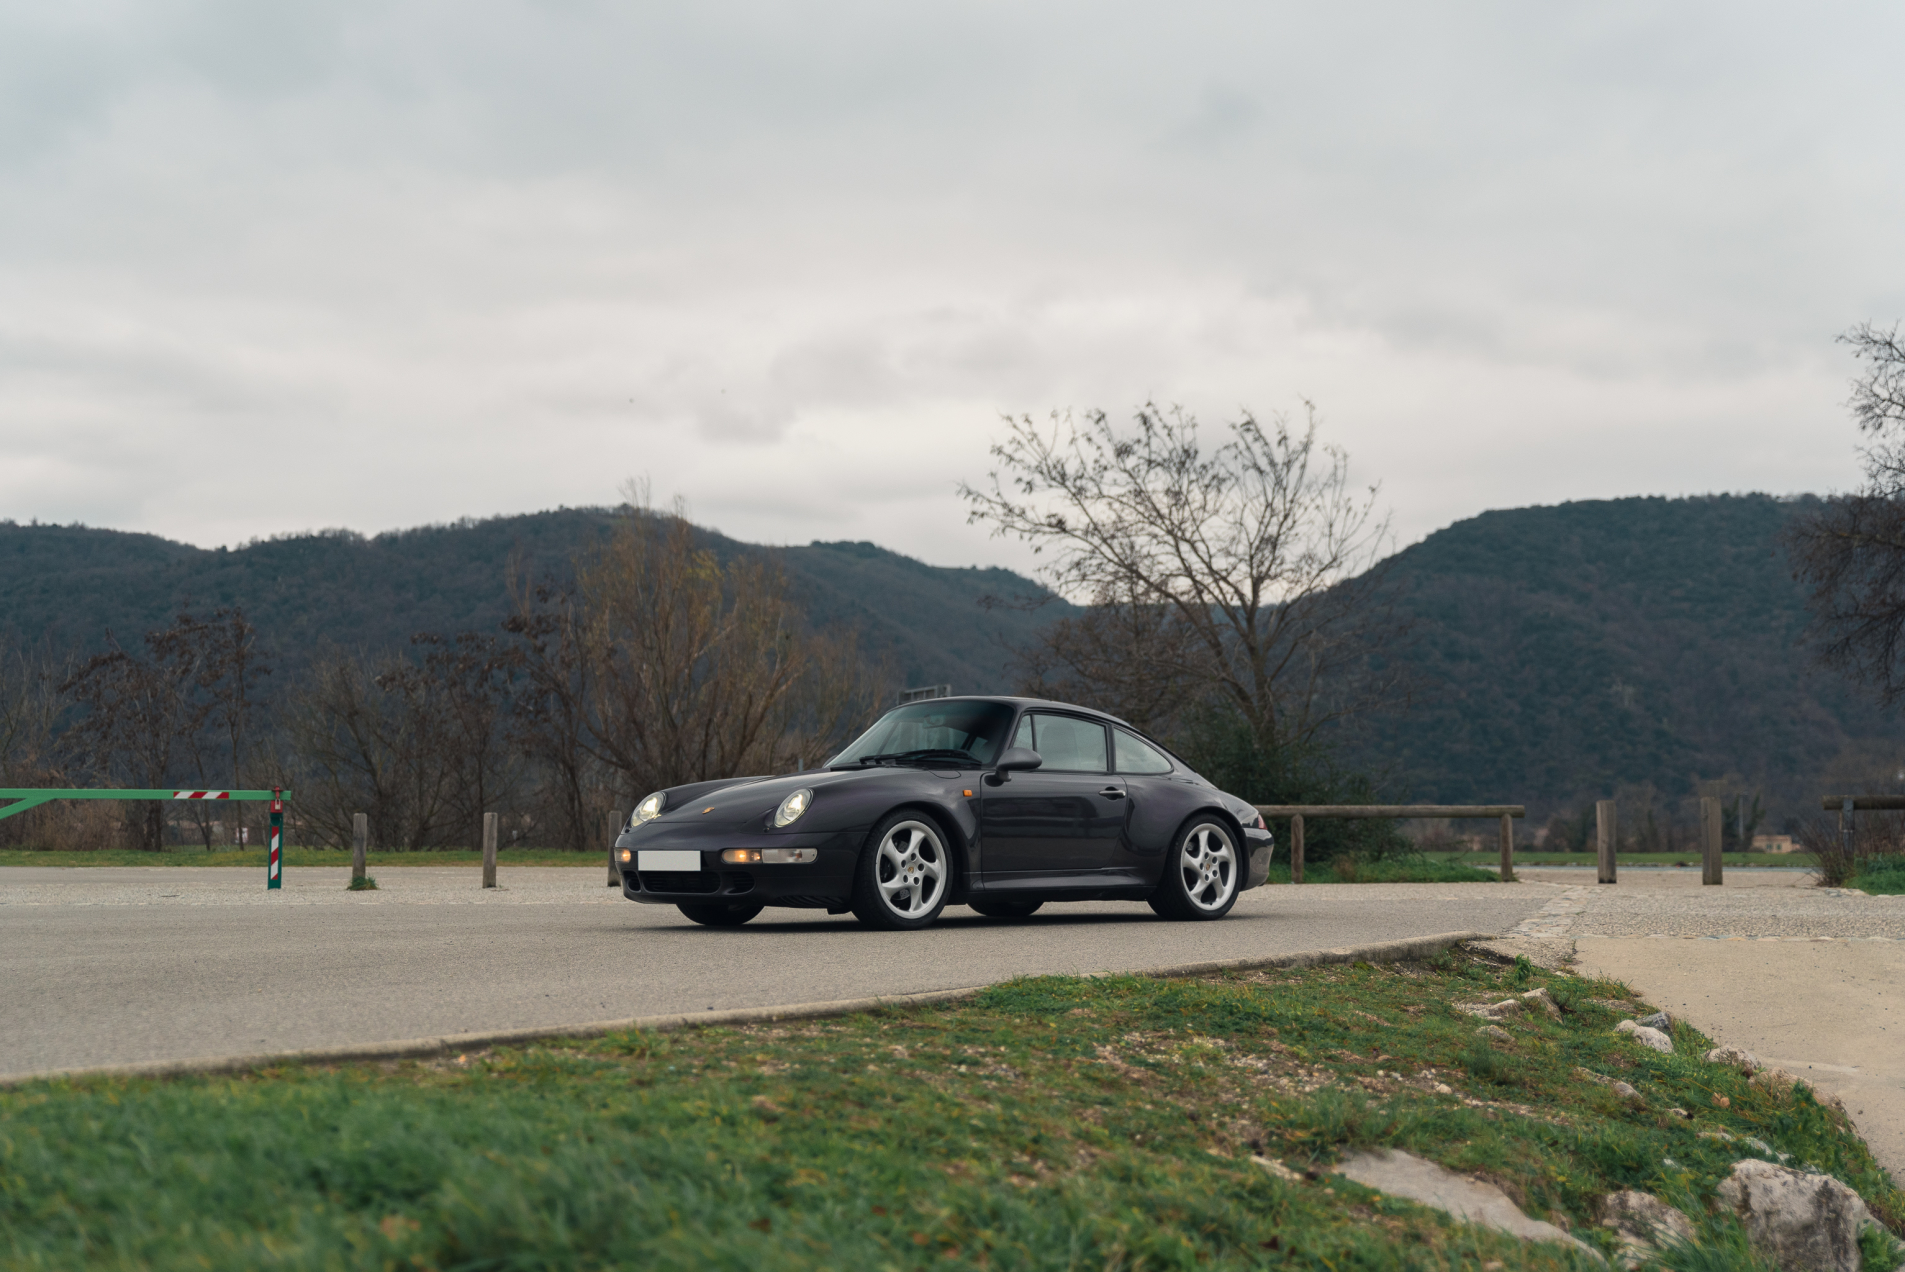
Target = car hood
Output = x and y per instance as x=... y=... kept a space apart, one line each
x=748 y=800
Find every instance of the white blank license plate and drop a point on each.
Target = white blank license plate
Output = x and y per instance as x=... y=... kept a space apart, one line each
x=664 y=860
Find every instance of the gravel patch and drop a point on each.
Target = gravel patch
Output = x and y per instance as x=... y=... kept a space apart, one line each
x=1782 y=907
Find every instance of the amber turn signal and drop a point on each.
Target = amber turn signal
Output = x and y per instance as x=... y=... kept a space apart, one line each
x=768 y=856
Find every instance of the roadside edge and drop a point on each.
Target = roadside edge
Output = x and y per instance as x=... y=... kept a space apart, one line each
x=412 y=1048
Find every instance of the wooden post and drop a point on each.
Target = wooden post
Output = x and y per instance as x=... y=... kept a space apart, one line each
x=489 y=850
x=615 y=871
x=1710 y=839
x=1508 y=849
x=1606 y=838
x=360 y=844
x=1296 y=849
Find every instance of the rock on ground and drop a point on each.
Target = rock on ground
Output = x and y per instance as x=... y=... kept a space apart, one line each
x=1642 y=1221
x=1403 y=1175
x=1540 y=1000
x=1278 y=1169
x=1735 y=1057
x=1805 y=1223
x=1645 y=1035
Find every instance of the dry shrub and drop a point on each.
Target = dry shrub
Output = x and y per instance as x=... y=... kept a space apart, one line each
x=1873 y=835
x=75 y=826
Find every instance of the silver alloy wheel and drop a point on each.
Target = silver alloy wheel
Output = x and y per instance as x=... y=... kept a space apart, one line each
x=1208 y=865
x=910 y=870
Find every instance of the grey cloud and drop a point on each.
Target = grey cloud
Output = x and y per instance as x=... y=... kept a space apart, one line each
x=543 y=246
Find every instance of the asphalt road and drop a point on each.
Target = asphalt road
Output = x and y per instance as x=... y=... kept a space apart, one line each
x=120 y=966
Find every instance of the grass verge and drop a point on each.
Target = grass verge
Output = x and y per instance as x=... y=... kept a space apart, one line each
x=1119 y=1122
x=1880 y=876
x=1585 y=860
x=341 y=857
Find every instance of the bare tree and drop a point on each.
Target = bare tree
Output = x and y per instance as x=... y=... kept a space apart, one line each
x=1244 y=571
x=469 y=679
x=553 y=711
x=664 y=664
x=366 y=733
x=230 y=664
x=1136 y=659
x=1851 y=553
x=141 y=715
x=30 y=712
x=693 y=656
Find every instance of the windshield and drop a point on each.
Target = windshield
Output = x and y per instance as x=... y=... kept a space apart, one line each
x=936 y=731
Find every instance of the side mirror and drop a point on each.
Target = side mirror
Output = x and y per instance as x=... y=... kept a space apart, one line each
x=1017 y=759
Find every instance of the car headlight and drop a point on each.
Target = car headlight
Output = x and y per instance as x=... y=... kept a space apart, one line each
x=792 y=807
x=649 y=809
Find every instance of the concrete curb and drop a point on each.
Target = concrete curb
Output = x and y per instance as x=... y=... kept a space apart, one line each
x=411 y=1048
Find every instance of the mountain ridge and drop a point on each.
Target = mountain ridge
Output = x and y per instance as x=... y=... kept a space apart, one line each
x=1651 y=647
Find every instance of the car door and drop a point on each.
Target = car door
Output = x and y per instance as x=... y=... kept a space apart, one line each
x=1064 y=818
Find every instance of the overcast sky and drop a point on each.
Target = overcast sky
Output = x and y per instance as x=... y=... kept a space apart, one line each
x=277 y=267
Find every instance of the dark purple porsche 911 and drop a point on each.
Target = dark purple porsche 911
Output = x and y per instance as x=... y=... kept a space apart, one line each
x=1000 y=804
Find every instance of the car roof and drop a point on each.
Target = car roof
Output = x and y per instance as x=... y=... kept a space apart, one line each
x=1017 y=701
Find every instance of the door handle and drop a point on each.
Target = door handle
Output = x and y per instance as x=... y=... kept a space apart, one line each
x=1112 y=792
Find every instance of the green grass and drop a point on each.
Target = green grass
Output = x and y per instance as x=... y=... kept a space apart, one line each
x=1881 y=876
x=1585 y=860
x=255 y=857
x=1053 y=1122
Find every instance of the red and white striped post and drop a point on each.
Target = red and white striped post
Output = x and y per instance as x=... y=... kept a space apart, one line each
x=274 y=871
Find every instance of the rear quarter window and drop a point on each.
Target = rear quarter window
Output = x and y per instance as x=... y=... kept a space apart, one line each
x=1135 y=755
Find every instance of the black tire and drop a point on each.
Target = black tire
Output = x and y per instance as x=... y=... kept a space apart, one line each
x=1203 y=873
x=1006 y=909
x=720 y=915
x=904 y=875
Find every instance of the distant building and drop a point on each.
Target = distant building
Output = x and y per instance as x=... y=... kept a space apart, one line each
x=1774 y=843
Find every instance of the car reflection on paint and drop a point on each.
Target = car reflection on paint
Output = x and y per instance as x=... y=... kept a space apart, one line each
x=1000 y=804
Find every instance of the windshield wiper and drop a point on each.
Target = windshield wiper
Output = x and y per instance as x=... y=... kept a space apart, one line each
x=903 y=757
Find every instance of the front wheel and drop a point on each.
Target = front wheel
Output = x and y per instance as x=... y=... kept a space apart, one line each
x=904 y=874
x=1201 y=874
x=1006 y=909
x=720 y=915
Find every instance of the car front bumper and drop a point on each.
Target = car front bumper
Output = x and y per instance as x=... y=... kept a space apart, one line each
x=825 y=882
x=1259 y=847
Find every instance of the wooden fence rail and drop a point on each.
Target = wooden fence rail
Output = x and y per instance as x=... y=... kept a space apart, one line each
x=1389 y=812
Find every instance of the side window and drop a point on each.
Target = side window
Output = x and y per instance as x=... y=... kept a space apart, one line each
x=1024 y=736
x=1135 y=755
x=1070 y=746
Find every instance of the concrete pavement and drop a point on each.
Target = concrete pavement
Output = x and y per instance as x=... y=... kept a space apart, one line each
x=1809 y=979
x=110 y=966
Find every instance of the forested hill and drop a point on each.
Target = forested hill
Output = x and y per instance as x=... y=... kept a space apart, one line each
x=1571 y=652
x=66 y=586
x=1637 y=646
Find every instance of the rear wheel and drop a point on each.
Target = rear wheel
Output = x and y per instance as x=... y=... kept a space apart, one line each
x=1006 y=909
x=1202 y=873
x=904 y=874
x=720 y=915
